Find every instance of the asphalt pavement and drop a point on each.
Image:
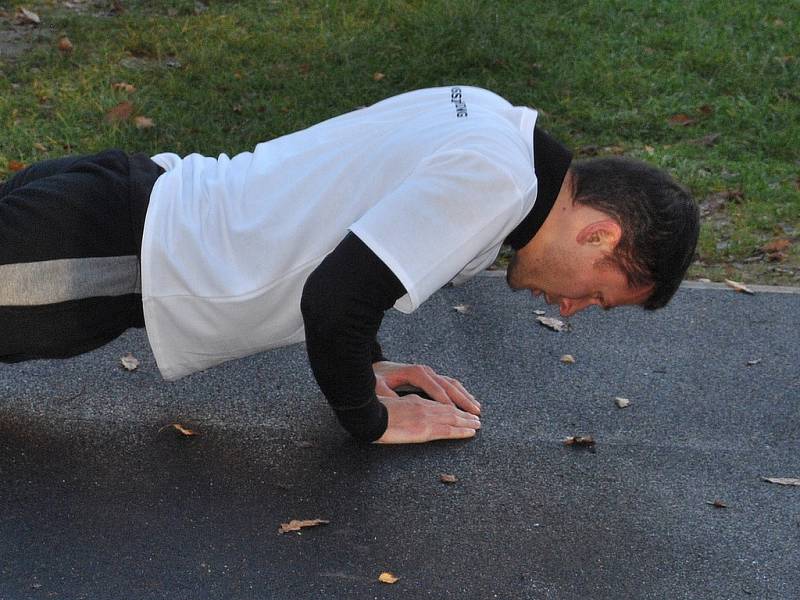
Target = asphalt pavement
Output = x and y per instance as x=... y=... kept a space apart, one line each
x=100 y=497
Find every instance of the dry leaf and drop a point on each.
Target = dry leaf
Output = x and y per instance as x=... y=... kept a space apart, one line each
x=15 y=165
x=622 y=402
x=753 y=362
x=579 y=440
x=377 y=76
x=717 y=504
x=387 y=577
x=129 y=362
x=295 y=525
x=461 y=308
x=782 y=480
x=27 y=17
x=125 y=87
x=447 y=478
x=180 y=429
x=540 y=312
x=682 y=120
x=649 y=149
x=121 y=112
x=568 y=359
x=776 y=246
x=708 y=140
x=706 y=109
x=739 y=287
x=553 y=323
x=143 y=122
x=65 y=46
x=40 y=147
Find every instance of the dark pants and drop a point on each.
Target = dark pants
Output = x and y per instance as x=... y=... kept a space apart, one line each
x=70 y=242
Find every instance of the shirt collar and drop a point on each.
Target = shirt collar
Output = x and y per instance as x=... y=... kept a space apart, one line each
x=550 y=163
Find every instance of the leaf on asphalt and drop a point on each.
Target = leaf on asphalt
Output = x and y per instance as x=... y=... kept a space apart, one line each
x=681 y=120
x=65 y=45
x=122 y=86
x=297 y=525
x=121 y=112
x=461 y=308
x=447 y=478
x=387 y=577
x=753 y=362
x=540 y=312
x=568 y=359
x=739 y=287
x=180 y=429
x=15 y=165
x=553 y=323
x=378 y=76
x=579 y=440
x=717 y=504
x=782 y=480
x=130 y=362
x=27 y=17
x=143 y=122
x=622 y=402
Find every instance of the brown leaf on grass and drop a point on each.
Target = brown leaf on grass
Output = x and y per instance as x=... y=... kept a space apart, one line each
x=706 y=109
x=776 y=246
x=121 y=112
x=579 y=440
x=130 y=362
x=143 y=122
x=739 y=287
x=27 y=17
x=180 y=429
x=782 y=480
x=378 y=76
x=387 y=577
x=717 y=504
x=681 y=120
x=447 y=478
x=297 y=525
x=553 y=323
x=40 y=147
x=122 y=86
x=707 y=140
x=65 y=45
x=15 y=165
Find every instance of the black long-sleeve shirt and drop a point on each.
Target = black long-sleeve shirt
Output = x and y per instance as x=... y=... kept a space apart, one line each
x=345 y=297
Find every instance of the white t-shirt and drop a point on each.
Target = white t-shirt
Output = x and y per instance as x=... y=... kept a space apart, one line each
x=432 y=181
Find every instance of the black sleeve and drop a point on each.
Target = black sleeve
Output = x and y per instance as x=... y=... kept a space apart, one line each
x=343 y=303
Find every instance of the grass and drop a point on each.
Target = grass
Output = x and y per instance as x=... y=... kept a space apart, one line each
x=648 y=78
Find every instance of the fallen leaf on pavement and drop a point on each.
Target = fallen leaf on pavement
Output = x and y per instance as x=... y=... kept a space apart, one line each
x=753 y=362
x=447 y=478
x=130 y=362
x=553 y=323
x=387 y=577
x=568 y=359
x=739 y=287
x=461 y=308
x=621 y=402
x=296 y=525
x=180 y=429
x=782 y=480
x=717 y=504
x=579 y=440
x=540 y=312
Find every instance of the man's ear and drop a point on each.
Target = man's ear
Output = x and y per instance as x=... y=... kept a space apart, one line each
x=604 y=234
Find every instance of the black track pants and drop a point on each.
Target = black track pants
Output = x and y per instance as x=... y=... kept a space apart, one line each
x=70 y=243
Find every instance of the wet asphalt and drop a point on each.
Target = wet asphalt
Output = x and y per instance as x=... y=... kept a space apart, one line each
x=101 y=498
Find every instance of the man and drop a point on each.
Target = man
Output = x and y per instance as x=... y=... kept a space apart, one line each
x=316 y=234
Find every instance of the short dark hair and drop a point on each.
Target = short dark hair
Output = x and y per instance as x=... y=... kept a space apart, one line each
x=659 y=219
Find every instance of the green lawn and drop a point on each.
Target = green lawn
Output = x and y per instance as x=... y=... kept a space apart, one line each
x=708 y=89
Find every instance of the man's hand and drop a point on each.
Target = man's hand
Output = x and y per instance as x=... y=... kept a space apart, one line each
x=413 y=420
x=446 y=390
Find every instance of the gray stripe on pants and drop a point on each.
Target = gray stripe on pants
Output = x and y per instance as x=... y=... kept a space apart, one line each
x=51 y=281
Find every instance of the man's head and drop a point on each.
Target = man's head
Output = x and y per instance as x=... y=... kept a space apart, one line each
x=620 y=232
